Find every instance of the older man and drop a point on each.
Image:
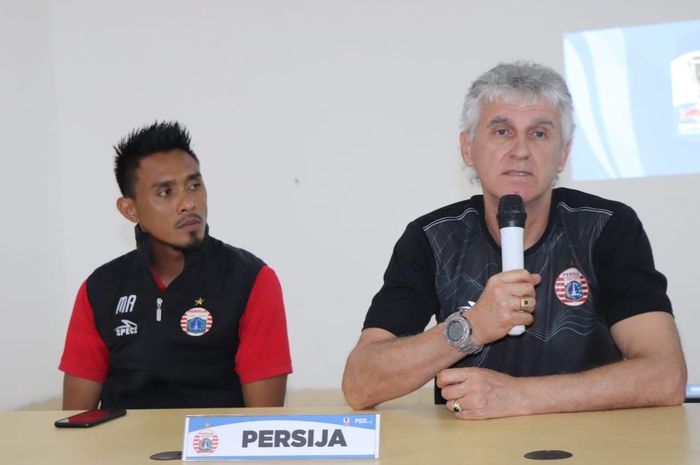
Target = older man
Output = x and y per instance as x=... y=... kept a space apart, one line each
x=600 y=329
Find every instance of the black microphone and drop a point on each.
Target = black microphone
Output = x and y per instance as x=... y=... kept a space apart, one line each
x=511 y=220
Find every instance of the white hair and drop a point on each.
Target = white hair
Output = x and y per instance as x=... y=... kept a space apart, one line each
x=523 y=81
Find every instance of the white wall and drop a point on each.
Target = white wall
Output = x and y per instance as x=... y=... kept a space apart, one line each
x=323 y=127
x=33 y=285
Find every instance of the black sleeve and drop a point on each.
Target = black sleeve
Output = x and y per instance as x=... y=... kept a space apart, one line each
x=629 y=284
x=407 y=300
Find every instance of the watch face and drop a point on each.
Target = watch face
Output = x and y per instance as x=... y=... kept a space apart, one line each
x=455 y=330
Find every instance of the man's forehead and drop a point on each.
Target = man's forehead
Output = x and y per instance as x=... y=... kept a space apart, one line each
x=498 y=119
x=167 y=166
x=510 y=110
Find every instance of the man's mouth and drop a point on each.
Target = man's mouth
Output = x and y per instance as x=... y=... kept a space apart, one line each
x=190 y=220
x=517 y=173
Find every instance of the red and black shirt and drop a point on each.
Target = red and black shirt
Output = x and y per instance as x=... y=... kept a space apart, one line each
x=220 y=323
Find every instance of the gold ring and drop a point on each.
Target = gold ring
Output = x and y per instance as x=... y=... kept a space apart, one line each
x=456 y=407
x=524 y=303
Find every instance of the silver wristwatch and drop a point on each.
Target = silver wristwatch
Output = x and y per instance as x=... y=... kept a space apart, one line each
x=458 y=332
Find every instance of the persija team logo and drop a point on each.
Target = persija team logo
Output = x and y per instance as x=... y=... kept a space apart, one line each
x=571 y=287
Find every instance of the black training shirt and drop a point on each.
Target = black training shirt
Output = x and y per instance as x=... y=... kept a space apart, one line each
x=596 y=266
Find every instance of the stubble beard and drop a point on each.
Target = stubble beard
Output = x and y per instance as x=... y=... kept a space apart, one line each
x=194 y=242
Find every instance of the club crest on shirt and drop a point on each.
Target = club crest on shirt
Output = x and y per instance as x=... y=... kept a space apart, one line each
x=571 y=287
x=205 y=442
x=196 y=321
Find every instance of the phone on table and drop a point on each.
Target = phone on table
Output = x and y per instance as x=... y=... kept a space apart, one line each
x=90 y=418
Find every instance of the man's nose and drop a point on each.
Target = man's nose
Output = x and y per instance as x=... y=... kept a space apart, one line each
x=186 y=202
x=520 y=149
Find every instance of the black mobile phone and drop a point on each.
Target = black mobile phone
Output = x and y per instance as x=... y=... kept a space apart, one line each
x=90 y=418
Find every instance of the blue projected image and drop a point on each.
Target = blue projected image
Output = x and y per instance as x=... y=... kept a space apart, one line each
x=636 y=94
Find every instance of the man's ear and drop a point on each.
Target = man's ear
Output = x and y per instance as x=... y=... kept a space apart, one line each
x=126 y=207
x=465 y=148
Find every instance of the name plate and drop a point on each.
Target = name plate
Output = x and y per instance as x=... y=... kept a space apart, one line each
x=236 y=437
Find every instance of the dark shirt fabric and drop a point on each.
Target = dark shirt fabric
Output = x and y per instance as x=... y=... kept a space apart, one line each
x=164 y=363
x=596 y=266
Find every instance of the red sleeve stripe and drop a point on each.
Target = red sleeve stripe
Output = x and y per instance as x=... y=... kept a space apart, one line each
x=263 y=350
x=85 y=354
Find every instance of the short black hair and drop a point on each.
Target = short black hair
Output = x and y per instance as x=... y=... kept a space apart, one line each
x=140 y=143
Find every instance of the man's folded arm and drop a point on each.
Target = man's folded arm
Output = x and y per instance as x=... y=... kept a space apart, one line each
x=653 y=372
x=383 y=367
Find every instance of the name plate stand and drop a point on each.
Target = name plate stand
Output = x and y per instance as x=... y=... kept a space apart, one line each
x=237 y=437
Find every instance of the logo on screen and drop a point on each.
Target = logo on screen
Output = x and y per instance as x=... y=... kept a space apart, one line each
x=685 y=81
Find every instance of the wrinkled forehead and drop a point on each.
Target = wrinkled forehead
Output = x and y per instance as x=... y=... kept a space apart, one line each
x=504 y=109
x=521 y=97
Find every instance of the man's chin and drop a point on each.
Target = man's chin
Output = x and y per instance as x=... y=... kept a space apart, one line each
x=194 y=243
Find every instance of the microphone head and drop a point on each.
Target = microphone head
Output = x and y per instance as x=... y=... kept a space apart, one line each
x=511 y=211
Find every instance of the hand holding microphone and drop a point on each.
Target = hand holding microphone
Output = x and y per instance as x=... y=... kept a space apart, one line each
x=511 y=221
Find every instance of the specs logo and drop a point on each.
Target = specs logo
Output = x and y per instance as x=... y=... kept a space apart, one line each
x=128 y=328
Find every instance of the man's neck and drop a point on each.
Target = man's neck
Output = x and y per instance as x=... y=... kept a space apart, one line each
x=166 y=261
x=535 y=224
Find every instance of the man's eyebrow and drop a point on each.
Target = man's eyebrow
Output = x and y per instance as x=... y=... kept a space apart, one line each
x=170 y=182
x=498 y=120
x=503 y=120
x=159 y=184
x=545 y=122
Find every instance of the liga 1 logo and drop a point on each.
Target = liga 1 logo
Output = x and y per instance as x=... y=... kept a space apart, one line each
x=571 y=287
x=196 y=321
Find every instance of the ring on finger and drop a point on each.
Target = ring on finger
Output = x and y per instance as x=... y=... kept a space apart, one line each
x=525 y=303
x=456 y=407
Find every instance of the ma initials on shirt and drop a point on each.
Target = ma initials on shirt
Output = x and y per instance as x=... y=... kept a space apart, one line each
x=125 y=304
